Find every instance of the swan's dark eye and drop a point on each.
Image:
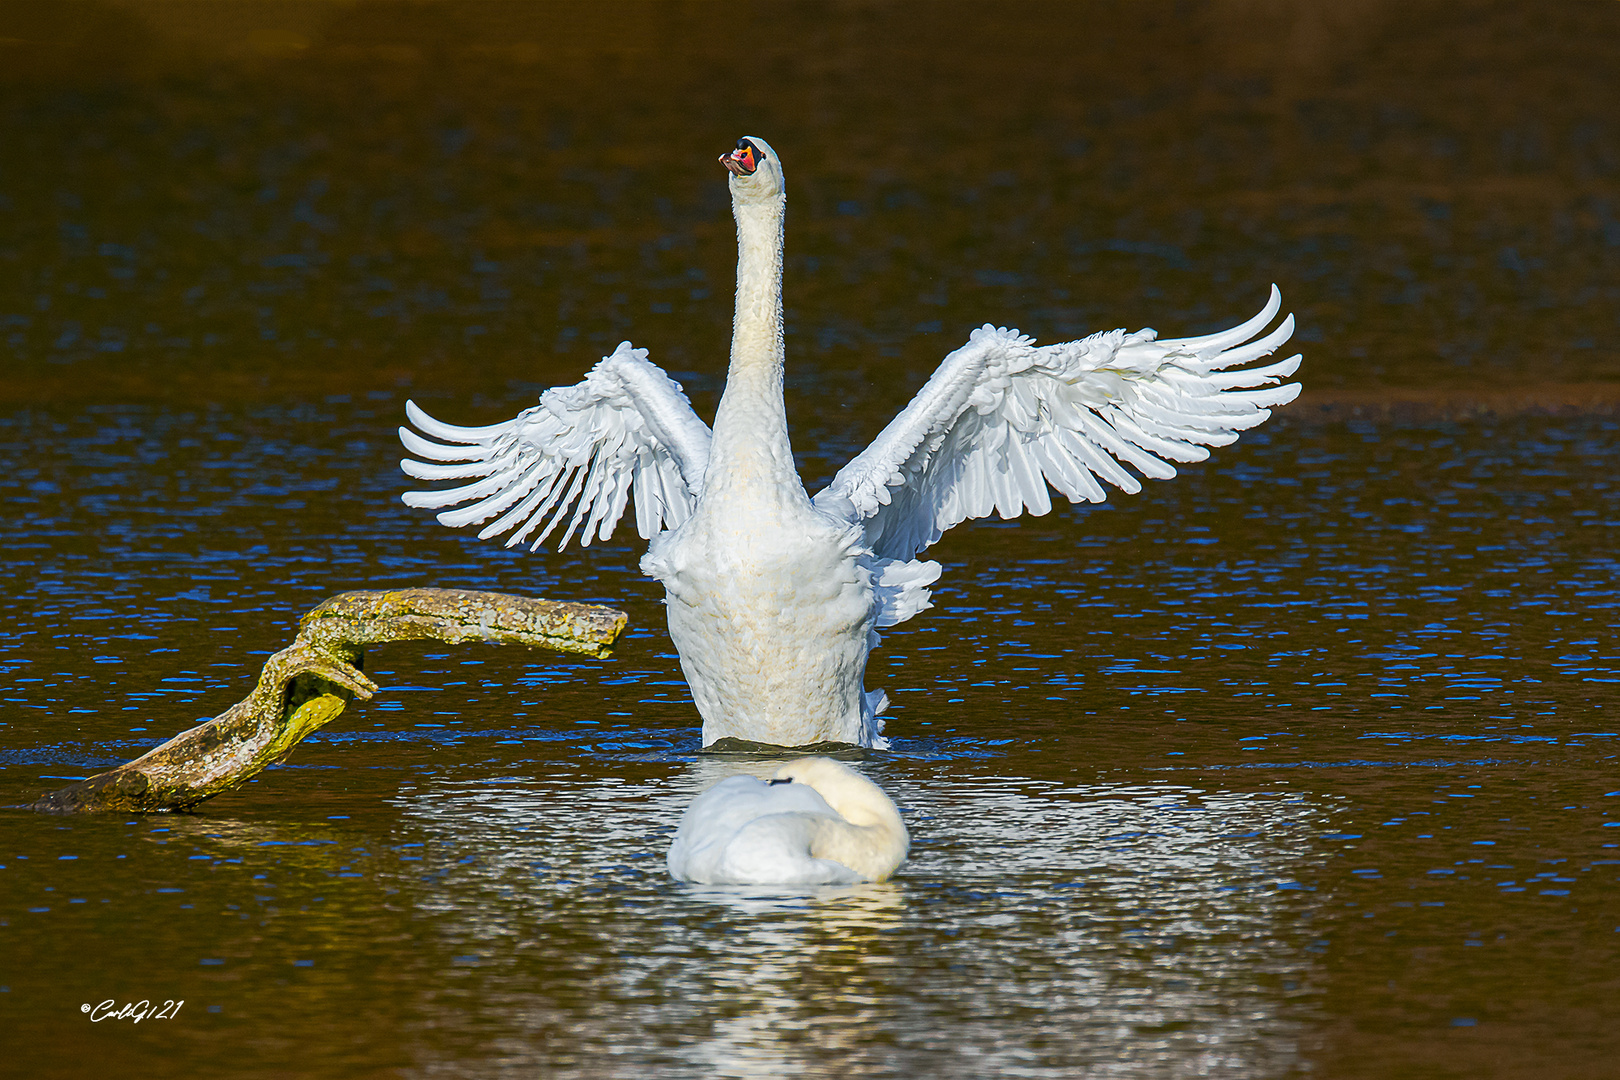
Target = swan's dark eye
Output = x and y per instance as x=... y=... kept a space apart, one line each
x=782 y=780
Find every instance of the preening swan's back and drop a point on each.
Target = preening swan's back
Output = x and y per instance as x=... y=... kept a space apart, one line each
x=744 y=831
x=818 y=823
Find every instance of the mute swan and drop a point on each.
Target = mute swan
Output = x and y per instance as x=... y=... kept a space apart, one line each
x=818 y=823
x=774 y=598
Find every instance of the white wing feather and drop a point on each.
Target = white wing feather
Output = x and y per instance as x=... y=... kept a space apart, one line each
x=1002 y=418
x=626 y=428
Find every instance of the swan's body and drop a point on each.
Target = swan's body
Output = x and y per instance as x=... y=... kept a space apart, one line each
x=818 y=823
x=774 y=597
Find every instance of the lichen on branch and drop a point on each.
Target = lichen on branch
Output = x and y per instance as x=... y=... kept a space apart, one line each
x=306 y=685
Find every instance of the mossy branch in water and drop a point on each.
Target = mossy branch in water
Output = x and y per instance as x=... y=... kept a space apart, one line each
x=306 y=685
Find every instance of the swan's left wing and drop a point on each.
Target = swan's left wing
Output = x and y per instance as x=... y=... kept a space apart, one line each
x=627 y=427
x=1002 y=418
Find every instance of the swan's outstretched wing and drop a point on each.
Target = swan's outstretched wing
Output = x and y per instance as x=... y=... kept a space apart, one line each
x=626 y=426
x=1002 y=418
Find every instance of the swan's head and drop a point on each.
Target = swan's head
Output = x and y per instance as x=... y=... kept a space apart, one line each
x=856 y=799
x=756 y=171
x=878 y=842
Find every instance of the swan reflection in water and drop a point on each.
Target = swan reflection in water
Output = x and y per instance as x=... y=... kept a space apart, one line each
x=805 y=978
x=1142 y=929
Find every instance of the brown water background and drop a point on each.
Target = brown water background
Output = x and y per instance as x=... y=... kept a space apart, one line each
x=1301 y=764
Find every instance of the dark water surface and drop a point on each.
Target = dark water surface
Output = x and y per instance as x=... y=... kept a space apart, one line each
x=1304 y=763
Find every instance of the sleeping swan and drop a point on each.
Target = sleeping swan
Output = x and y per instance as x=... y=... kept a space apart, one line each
x=818 y=823
x=775 y=598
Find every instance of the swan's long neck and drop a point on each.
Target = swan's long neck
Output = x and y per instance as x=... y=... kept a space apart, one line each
x=751 y=449
x=871 y=839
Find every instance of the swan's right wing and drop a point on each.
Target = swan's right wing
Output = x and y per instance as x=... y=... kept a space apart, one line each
x=627 y=427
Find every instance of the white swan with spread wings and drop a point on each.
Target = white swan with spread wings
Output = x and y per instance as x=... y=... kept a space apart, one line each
x=774 y=597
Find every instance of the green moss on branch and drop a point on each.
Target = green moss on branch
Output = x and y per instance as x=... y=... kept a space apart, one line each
x=306 y=685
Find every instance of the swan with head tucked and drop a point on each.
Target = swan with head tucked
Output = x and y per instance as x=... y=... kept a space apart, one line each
x=775 y=598
x=819 y=822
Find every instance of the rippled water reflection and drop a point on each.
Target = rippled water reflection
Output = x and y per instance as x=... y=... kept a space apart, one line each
x=1068 y=913
x=1245 y=771
x=1304 y=763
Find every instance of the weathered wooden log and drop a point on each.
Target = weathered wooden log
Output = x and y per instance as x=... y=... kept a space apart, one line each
x=306 y=685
